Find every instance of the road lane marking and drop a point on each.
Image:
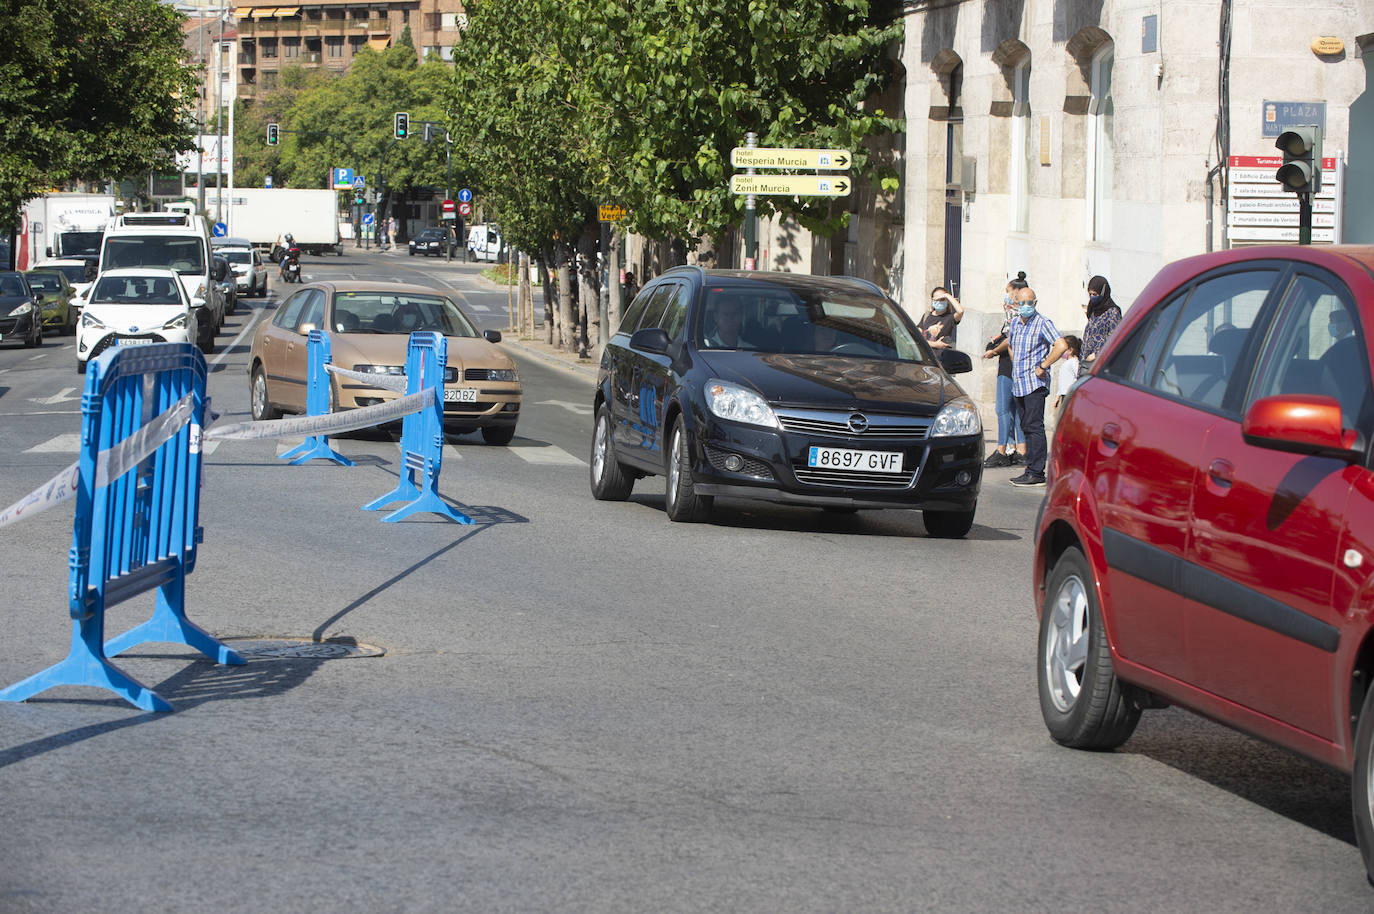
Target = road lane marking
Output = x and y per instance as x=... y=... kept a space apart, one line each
x=41 y=355
x=581 y=409
x=56 y=398
x=59 y=444
x=548 y=455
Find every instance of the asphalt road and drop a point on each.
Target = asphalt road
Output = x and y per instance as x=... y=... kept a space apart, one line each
x=583 y=707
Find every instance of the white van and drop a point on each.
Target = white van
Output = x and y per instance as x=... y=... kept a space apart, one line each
x=171 y=241
x=484 y=242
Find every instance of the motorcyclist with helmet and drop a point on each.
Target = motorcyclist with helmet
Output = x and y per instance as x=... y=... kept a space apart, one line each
x=290 y=256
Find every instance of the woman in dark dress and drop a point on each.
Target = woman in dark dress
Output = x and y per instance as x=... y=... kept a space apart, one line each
x=1103 y=316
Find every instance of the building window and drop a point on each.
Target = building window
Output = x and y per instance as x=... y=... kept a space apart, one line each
x=356 y=43
x=269 y=49
x=431 y=22
x=1021 y=148
x=335 y=46
x=1101 y=145
x=291 y=48
x=448 y=21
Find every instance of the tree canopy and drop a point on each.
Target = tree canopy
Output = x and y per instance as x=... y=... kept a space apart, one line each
x=89 y=89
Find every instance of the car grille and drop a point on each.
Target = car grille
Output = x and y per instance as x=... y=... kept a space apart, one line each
x=109 y=341
x=475 y=374
x=835 y=424
x=751 y=467
x=812 y=476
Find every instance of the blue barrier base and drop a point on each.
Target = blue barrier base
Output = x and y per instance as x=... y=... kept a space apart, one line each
x=86 y=665
x=169 y=625
x=431 y=503
x=316 y=447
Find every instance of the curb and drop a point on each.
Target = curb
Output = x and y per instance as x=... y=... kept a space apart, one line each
x=584 y=369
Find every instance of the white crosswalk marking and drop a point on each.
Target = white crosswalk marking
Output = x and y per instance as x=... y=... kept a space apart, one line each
x=548 y=455
x=61 y=444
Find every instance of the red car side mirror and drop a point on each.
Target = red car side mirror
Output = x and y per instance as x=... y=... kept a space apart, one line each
x=1301 y=423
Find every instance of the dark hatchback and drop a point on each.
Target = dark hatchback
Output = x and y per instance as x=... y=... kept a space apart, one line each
x=805 y=390
x=431 y=241
x=21 y=317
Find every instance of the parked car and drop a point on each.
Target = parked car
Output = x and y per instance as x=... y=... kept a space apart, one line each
x=369 y=326
x=432 y=240
x=1208 y=528
x=245 y=263
x=805 y=390
x=61 y=305
x=20 y=318
x=134 y=306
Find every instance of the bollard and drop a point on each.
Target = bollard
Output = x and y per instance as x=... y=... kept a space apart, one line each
x=316 y=447
x=137 y=515
x=422 y=436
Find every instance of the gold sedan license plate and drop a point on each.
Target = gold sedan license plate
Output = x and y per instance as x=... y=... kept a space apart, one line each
x=839 y=458
x=460 y=395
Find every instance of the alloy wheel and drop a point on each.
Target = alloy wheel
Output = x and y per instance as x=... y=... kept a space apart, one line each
x=1066 y=650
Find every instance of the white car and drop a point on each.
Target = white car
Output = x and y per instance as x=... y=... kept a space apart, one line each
x=133 y=306
x=250 y=273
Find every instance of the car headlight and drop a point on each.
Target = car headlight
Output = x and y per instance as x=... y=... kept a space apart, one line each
x=957 y=418
x=380 y=369
x=23 y=309
x=502 y=374
x=91 y=321
x=176 y=323
x=730 y=401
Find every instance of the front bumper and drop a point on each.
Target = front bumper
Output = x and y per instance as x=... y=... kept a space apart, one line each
x=17 y=329
x=497 y=404
x=942 y=474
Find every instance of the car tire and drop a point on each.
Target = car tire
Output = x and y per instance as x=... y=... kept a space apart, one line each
x=1083 y=703
x=948 y=524
x=80 y=366
x=610 y=482
x=1362 y=784
x=681 y=501
x=35 y=337
x=69 y=329
x=498 y=434
x=260 y=405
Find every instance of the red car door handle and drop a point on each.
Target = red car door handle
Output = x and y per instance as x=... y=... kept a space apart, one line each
x=1111 y=435
x=1222 y=472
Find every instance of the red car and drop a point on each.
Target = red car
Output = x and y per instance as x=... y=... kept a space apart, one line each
x=1207 y=535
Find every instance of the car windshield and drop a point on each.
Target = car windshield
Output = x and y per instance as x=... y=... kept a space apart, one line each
x=823 y=321
x=80 y=244
x=45 y=282
x=182 y=253
x=11 y=286
x=73 y=272
x=234 y=256
x=136 y=290
x=387 y=312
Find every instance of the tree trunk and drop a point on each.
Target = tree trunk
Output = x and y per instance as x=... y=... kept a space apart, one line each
x=546 y=295
x=613 y=275
x=589 y=289
x=567 y=324
x=526 y=297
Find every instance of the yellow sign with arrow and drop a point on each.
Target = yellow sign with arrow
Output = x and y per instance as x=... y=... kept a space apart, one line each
x=791 y=185
x=822 y=159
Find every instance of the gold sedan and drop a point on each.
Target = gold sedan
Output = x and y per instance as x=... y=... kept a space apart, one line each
x=369 y=325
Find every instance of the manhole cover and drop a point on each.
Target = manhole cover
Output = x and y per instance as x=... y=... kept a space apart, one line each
x=301 y=649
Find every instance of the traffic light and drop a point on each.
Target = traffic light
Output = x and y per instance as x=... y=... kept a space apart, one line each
x=272 y=134
x=402 y=125
x=1301 y=171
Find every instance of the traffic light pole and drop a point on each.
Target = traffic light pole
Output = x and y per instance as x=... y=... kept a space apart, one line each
x=1304 y=218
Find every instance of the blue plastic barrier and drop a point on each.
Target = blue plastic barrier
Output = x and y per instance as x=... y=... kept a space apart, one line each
x=422 y=436
x=137 y=516
x=316 y=447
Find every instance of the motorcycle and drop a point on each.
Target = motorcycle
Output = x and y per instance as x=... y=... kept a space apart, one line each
x=291 y=268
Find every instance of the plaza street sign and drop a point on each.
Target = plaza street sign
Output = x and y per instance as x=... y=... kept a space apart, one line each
x=791 y=185
x=831 y=159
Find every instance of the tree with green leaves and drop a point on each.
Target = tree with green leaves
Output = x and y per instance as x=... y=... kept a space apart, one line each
x=89 y=90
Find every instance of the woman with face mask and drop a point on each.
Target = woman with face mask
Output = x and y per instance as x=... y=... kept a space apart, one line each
x=940 y=320
x=1011 y=444
x=1103 y=316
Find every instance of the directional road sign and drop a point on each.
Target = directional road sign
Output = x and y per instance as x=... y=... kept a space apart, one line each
x=791 y=185
x=610 y=213
x=368 y=219
x=220 y=230
x=465 y=195
x=832 y=159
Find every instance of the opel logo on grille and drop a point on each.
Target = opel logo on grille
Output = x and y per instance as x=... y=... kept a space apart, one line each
x=858 y=423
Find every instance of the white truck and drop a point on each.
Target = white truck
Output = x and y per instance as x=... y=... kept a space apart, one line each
x=262 y=215
x=64 y=225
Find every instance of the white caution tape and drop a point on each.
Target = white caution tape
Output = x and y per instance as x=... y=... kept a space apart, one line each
x=396 y=382
x=328 y=424
x=110 y=464
x=129 y=453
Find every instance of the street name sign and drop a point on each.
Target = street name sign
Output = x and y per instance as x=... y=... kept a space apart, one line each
x=791 y=185
x=758 y=157
x=610 y=213
x=1260 y=211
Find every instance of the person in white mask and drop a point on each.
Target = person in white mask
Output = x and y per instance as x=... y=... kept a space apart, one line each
x=1035 y=345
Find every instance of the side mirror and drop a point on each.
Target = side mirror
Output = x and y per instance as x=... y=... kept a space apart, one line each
x=220 y=270
x=492 y=336
x=1300 y=424
x=38 y=298
x=650 y=339
x=304 y=329
x=955 y=362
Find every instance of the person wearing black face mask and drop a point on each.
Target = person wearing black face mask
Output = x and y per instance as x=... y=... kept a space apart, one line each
x=1103 y=316
x=939 y=323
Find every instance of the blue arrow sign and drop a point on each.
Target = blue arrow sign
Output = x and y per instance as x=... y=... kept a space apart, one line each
x=465 y=195
x=220 y=230
x=368 y=219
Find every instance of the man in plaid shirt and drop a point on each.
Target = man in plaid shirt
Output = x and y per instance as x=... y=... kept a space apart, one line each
x=1035 y=345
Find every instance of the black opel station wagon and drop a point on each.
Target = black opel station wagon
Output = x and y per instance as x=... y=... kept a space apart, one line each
x=806 y=390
